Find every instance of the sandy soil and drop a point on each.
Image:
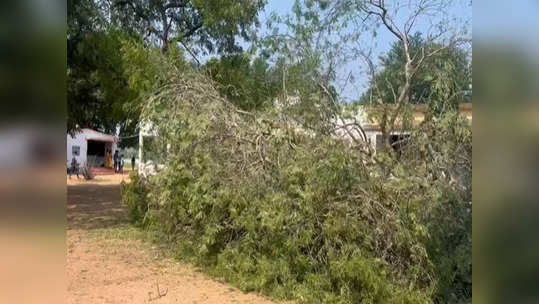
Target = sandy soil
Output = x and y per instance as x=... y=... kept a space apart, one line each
x=115 y=179
x=104 y=267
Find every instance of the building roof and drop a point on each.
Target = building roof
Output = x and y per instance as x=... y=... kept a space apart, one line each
x=467 y=106
x=369 y=123
x=98 y=136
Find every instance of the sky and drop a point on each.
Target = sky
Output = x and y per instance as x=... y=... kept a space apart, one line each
x=459 y=9
x=511 y=22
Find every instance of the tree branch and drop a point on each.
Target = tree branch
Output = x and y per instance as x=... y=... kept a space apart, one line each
x=192 y=30
x=136 y=10
x=189 y=51
x=389 y=24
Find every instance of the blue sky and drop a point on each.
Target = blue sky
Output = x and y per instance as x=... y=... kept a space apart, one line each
x=381 y=43
x=511 y=19
x=511 y=22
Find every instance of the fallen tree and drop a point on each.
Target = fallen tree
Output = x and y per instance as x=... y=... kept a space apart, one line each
x=292 y=211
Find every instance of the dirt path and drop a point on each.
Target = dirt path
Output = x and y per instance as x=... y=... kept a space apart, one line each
x=107 y=263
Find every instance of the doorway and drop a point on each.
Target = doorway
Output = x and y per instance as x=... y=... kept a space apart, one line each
x=96 y=153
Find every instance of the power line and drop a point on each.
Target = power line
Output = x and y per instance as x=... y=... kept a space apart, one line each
x=127 y=136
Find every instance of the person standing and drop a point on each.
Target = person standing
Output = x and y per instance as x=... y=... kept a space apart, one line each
x=121 y=164
x=108 y=159
x=74 y=168
x=133 y=163
x=116 y=162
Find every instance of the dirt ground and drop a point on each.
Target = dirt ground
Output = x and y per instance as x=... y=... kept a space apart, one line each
x=108 y=263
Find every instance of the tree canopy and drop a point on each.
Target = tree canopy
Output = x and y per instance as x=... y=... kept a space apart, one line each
x=248 y=83
x=97 y=85
x=102 y=89
x=442 y=81
x=213 y=26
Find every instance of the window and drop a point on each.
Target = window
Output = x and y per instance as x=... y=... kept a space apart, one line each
x=396 y=141
x=75 y=150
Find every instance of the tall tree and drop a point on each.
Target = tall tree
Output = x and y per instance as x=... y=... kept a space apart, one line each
x=209 y=25
x=84 y=23
x=97 y=83
x=332 y=32
x=310 y=44
x=97 y=87
x=401 y=22
x=101 y=89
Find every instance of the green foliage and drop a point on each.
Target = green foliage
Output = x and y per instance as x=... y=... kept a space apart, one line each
x=448 y=162
x=96 y=84
x=212 y=26
x=300 y=215
x=110 y=74
x=147 y=68
x=443 y=80
x=111 y=54
x=134 y=196
x=248 y=85
x=307 y=45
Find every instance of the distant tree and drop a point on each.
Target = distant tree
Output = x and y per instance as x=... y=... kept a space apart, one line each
x=442 y=81
x=443 y=35
x=309 y=45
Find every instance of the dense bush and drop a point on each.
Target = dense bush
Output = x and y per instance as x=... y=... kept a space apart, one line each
x=134 y=197
x=300 y=215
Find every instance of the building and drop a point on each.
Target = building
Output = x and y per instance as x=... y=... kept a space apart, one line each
x=88 y=146
x=147 y=165
x=363 y=116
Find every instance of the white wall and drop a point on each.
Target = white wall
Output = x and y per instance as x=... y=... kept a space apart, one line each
x=78 y=140
x=371 y=137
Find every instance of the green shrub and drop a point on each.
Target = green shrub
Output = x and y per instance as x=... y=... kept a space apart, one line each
x=134 y=196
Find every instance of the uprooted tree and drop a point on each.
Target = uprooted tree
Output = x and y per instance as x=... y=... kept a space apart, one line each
x=272 y=206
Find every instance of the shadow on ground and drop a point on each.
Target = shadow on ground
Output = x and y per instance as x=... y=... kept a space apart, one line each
x=94 y=207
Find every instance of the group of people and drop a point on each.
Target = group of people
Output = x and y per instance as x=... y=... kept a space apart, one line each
x=116 y=160
x=119 y=162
